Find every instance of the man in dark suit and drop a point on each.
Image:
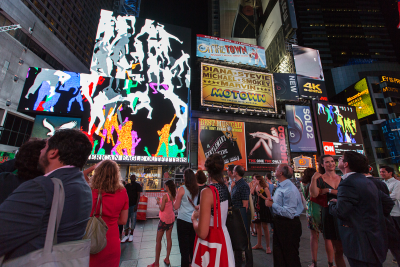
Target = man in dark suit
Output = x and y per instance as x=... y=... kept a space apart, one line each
x=24 y=215
x=360 y=210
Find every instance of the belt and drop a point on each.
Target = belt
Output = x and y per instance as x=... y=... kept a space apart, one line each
x=279 y=217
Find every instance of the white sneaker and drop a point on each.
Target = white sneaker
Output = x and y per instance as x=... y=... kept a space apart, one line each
x=124 y=239
x=130 y=238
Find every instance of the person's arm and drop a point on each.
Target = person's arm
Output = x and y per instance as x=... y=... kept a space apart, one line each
x=314 y=190
x=326 y=191
x=89 y=170
x=123 y=217
x=387 y=203
x=289 y=207
x=178 y=199
x=202 y=225
x=266 y=189
x=163 y=201
x=246 y=195
x=8 y=166
x=347 y=200
x=253 y=187
x=395 y=194
x=21 y=216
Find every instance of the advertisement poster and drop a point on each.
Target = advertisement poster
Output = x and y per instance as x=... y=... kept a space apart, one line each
x=134 y=104
x=286 y=86
x=237 y=88
x=231 y=51
x=45 y=126
x=301 y=163
x=266 y=146
x=300 y=129
x=391 y=133
x=338 y=128
x=310 y=88
x=224 y=137
x=5 y=156
x=308 y=62
x=271 y=27
x=358 y=96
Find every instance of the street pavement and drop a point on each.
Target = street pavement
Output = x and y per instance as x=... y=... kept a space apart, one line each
x=141 y=251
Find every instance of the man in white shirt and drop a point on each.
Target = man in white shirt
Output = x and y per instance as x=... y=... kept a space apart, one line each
x=393 y=185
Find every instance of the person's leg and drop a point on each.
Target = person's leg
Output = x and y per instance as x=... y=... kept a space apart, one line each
x=169 y=245
x=133 y=219
x=160 y=234
x=128 y=221
x=266 y=233
x=339 y=259
x=249 y=251
x=278 y=251
x=259 y=236
x=192 y=238
x=330 y=252
x=183 y=242
x=121 y=229
x=314 y=246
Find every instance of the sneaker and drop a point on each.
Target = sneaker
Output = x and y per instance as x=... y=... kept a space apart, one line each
x=124 y=239
x=130 y=238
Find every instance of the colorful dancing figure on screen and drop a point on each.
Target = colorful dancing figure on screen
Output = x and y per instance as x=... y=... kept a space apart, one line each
x=164 y=139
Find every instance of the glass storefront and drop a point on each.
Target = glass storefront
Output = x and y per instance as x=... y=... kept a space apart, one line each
x=150 y=177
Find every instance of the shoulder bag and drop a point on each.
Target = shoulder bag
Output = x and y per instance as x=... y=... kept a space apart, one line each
x=96 y=229
x=236 y=228
x=73 y=253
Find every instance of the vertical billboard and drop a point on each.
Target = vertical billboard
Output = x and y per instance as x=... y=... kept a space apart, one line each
x=286 y=86
x=226 y=138
x=359 y=97
x=271 y=26
x=266 y=146
x=391 y=133
x=338 y=128
x=288 y=18
x=300 y=129
x=237 y=88
x=45 y=126
x=231 y=51
x=134 y=104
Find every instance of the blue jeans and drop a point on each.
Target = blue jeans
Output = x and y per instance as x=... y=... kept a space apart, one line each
x=131 y=218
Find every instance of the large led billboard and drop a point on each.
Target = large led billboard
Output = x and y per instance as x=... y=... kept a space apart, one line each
x=310 y=88
x=300 y=129
x=391 y=133
x=224 y=137
x=134 y=105
x=45 y=126
x=308 y=63
x=338 y=128
x=286 y=86
x=359 y=97
x=231 y=51
x=237 y=88
x=266 y=146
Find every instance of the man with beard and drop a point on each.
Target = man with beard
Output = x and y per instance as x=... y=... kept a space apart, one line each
x=24 y=215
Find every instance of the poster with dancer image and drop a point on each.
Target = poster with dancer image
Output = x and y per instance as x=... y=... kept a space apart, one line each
x=266 y=146
x=223 y=137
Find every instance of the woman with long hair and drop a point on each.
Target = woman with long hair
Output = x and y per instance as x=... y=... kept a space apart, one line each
x=325 y=183
x=186 y=235
x=201 y=182
x=204 y=217
x=106 y=183
x=167 y=219
x=263 y=214
x=313 y=213
x=253 y=185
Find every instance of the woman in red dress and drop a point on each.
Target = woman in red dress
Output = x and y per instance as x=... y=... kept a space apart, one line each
x=115 y=210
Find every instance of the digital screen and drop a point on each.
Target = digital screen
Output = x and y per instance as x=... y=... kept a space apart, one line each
x=358 y=96
x=311 y=88
x=134 y=105
x=237 y=87
x=286 y=86
x=338 y=149
x=6 y=156
x=301 y=163
x=391 y=134
x=300 y=129
x=45 y=126
x=231 y=51
x=338 y=125
x=266 y=146
x=226 y=138
x=308 y=63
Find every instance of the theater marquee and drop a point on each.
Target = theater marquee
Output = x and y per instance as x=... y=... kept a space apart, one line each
x=237 y=88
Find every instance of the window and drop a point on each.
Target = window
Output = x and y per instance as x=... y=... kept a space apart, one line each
x=384 y=116
x=376 y=88
x=364 y=135
x=375 y=135
x=380 y=103
x=16 y=130
x=380 y=152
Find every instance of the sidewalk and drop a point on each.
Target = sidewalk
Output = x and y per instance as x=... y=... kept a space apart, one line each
x=141 y=251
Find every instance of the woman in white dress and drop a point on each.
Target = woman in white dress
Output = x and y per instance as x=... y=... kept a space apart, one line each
x=204 y=217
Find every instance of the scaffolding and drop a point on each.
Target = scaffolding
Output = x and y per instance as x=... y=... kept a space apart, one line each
x=127 y=7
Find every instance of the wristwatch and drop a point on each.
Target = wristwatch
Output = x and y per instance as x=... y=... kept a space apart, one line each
x=330 y=191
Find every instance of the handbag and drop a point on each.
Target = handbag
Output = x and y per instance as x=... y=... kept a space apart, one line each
x=212 y=251
x=73 y=253
x=96 y=229
x=236 y=228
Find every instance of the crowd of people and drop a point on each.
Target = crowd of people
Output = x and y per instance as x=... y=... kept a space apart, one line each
x=357 y=214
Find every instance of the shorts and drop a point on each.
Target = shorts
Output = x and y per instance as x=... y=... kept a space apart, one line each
x=162 y=226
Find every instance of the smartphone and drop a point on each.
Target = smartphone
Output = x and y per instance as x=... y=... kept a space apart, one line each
x=191 y=202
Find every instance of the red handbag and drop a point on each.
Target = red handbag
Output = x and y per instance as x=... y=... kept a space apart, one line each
x=321 y=200
x=212 y=251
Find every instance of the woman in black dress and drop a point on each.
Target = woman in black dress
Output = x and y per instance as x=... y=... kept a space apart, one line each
x=263 y=214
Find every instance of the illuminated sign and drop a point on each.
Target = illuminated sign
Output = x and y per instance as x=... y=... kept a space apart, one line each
x=231 y=51
x=391 y=133
x=390 y=79
x=266 y=146
x=134 y=105
x=226 y=138
x=236 y=87
x=338 y=128
x=301 y=163
x=358 y=96
x=45 y=126
x=310 y=88
x=300 y=129
x=391 y=92
x=286 y=86
x=308 y=63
